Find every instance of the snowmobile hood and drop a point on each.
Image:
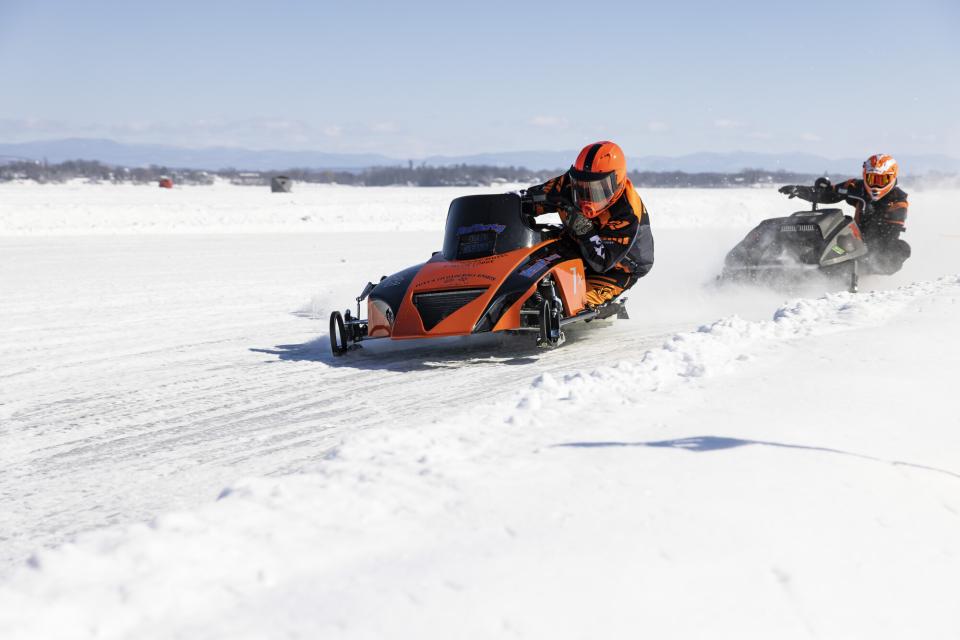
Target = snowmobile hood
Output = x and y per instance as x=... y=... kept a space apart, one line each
x=448 y=297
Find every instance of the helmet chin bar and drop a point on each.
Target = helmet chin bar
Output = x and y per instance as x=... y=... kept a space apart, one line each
x=587 y=209
x=877 y=193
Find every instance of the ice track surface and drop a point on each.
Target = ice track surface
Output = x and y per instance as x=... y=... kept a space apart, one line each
x=154 y=352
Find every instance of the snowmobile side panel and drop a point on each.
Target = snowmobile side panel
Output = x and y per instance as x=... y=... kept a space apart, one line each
x=379 y=319
x=510 y=320
x=844 y=245
x=572 y=283
x=389 y=293
x=519 y=286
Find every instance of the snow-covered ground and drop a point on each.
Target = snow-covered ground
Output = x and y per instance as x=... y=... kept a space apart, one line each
x=182 y=458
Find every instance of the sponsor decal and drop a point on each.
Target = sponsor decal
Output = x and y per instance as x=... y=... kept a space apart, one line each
x=455 y=278
x=540 y=265
x=577 y=278
x=838 y=250
x=477 y=240
x=477 y=228
x=597 y=245
x=616 y=239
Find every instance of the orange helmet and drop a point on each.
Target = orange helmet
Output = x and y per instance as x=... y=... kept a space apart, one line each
x=880 y=175
x=598 y=177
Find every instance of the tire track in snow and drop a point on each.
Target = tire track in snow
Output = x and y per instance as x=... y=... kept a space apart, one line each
x=194 y=430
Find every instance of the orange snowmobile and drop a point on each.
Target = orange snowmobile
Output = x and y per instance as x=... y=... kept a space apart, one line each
x=498 y=271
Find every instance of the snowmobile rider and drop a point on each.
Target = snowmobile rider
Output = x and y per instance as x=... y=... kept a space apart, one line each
x=603 y=216
x=881 y=210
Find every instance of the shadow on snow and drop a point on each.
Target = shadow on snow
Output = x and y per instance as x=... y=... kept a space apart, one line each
x=701 y=444
x=421 y=355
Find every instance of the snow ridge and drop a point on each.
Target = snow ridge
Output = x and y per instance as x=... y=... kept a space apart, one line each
x=717 y=347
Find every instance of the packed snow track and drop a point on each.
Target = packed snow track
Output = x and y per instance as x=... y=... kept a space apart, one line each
x=725 y=445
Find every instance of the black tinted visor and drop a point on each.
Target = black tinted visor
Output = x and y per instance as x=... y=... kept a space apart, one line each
x=596 y=189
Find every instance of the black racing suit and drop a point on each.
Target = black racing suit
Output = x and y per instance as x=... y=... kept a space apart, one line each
x=881 y=221
x=617 y=251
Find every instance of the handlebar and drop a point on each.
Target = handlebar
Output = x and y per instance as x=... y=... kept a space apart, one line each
x=559 y=203
x=543 y=228
x=549 y=231
x=812 y=194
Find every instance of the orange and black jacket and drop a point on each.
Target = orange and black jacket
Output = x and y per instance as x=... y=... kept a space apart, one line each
x=881 y=221
x=621 y=238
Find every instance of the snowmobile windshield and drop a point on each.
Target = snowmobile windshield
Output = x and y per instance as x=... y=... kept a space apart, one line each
x=486 y=225
x=595 y=190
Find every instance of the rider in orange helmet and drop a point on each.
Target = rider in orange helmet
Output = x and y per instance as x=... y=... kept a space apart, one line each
x=603 y=215
x=881 y=210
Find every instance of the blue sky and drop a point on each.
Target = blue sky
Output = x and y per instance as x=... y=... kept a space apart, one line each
x=417 y=78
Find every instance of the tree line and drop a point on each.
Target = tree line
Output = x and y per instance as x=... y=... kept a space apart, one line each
x=462 y=175
x=94 y=171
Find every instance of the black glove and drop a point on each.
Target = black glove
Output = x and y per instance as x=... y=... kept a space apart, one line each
x=535 y=198
x=527 y=205
x=789 y=190
x=561 y=201
x=810 y=194
x=578 y=224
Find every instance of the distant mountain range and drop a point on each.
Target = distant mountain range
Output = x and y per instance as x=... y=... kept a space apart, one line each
x=214 y=158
